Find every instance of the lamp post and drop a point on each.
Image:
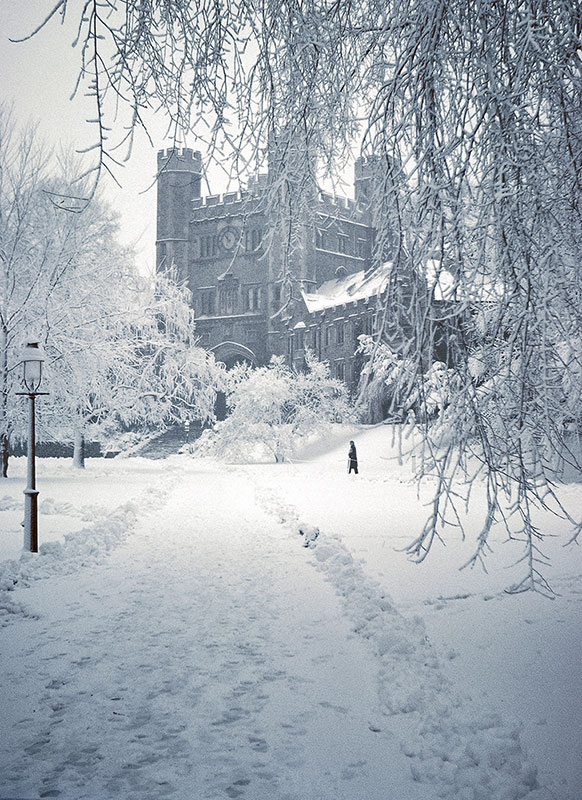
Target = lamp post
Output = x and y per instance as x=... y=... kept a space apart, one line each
x=32 y=361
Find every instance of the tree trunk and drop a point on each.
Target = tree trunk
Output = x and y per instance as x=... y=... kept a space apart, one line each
x=79 y=450
x=4 y=455
x=4 y=390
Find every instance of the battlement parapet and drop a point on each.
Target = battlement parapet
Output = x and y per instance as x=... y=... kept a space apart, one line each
x=338 y=201
x=366 y=161
x=258 y=181
x=229 y=201
x=180 y=158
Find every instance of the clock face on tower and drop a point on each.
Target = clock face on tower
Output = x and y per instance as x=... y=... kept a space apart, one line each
x=229 y=237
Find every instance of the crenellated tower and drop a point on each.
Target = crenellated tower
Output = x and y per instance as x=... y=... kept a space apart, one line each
x=365 y=178
x=375 y=189
x=252 y=258
x=179 y=177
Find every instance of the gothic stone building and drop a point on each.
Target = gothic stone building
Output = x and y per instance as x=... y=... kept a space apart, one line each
x=246 y=308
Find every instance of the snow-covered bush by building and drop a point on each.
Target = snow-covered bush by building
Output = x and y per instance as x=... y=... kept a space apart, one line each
x=272 y=408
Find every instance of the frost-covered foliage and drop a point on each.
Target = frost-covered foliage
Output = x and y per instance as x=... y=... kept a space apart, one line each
x=382 y=374
x=34 y=255
x=175 y=381
x=273 y=407
x=120 y=350
x=477 y=134
x=134 y=362
x=469 y=114
x=390 y=386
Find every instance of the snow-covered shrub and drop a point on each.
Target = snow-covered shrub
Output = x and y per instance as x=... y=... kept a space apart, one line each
x=272 y=407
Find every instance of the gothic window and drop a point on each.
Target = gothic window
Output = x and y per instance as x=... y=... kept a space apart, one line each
x=361 y=248
x=253 y=239
x=207 y=301
x=322 y=239
x=256 y=238
x=340 y=333
x=208 y=246
x=227 y=300
x=252 y=298
x=299 y=335
x=340 y=370
x=343 y=243
x=328 y=331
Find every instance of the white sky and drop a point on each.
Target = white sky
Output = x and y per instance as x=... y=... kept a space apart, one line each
x=38 y=77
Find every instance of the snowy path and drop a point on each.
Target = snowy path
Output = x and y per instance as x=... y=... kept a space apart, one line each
x=205 y=658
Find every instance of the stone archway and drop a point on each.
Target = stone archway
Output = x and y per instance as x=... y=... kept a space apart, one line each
x=230 y=353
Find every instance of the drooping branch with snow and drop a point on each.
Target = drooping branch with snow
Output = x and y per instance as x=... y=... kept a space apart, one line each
x=471 y=113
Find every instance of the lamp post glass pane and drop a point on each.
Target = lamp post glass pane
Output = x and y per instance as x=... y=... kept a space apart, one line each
x=32 y=374
x=32 y=358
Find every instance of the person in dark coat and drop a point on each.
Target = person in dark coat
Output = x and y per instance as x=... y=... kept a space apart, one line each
x=352 y=459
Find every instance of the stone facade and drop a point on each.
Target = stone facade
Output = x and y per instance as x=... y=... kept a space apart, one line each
x=329 y=321
x=227 y=248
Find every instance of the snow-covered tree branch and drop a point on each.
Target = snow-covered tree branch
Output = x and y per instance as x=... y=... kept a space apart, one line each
x=470 y=113
x=121 y=350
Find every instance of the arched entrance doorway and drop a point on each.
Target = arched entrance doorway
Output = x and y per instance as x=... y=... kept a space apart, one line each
x=230 y=353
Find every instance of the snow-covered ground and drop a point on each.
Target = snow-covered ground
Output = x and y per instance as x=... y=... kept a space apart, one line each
x=175 y=638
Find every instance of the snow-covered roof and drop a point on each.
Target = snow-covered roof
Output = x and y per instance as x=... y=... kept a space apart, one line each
x=348 y=289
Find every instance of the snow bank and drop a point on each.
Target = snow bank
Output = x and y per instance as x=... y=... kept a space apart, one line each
x=83 y=548
x=457 y=752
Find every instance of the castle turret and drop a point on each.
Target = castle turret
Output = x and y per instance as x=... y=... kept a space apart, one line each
x=179 y=177
x=365 y=178
x=374 y=190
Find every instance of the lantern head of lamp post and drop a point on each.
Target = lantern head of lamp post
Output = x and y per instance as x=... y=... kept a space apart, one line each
x=32 y=361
